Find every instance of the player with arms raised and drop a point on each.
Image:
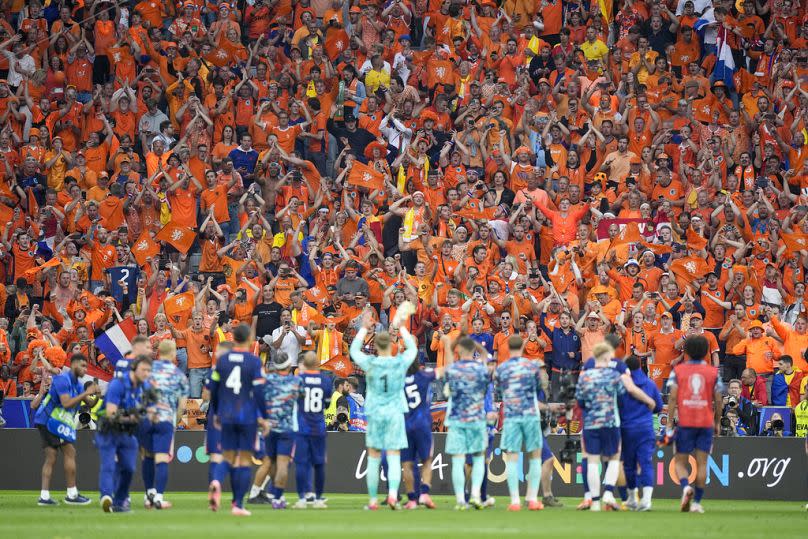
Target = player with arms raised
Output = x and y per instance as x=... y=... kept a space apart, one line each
x=386 y=404
x=695 y=401
x=236 y=400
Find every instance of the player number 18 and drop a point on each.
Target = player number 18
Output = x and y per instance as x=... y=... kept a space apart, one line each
x=313 y=401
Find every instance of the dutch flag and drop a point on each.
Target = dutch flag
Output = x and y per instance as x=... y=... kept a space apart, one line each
x=725 y=63
x=116 y=342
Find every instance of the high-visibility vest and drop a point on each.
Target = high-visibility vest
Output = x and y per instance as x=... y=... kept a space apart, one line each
x=801 y=414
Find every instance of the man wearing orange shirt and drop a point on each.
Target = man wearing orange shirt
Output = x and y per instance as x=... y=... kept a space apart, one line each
x=501 y=350
x=665 y=345
x=199 y=345
x=103 y=258
x=760 y=350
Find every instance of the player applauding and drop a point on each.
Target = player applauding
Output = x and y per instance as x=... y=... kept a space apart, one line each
x=386 y=404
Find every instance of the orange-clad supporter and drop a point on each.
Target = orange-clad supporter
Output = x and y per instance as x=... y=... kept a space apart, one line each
x=760 y=349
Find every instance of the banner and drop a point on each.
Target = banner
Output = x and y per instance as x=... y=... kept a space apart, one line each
x=739 y=468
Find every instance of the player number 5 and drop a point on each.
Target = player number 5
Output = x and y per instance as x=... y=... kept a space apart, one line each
x=413 y=397
x=234 y=380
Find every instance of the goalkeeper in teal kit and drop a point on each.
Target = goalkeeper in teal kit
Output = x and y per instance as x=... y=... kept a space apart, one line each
x=386 y=403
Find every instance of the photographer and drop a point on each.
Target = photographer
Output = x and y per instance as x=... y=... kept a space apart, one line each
x=775 y=427
x=743 y=407
x=731 y=424
x=55 y=419
x=115 y=439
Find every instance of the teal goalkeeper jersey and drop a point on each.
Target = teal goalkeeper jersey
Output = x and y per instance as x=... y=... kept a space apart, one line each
x=385 y=376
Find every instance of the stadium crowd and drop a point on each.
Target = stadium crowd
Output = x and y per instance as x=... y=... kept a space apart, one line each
x=558 y=169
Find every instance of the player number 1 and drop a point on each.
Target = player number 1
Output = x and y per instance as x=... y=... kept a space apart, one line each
x=384 y=380
x=234 y=380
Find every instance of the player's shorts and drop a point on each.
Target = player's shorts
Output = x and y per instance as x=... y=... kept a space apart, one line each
x=521 y=431
x=420 y=445
x=689 y=439
x=465 y=438
x=280 y=444
x=546 y=452
x=156 y=437
x=238 y=437
x=48 y=438
x=386 y=431
x=213 y=439
x=604 y=441
x=309 y=450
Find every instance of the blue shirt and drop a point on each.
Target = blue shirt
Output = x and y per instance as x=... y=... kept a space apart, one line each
x=128 y=274
x=171 y=386
x=122 y=367
x=468 y=381
x=242 y=159
x=597 y=393
x=418 y=389
x=564 y=343
x=124 y=394
x=486 y=340
x=63 y=384
x=634 y=414
x=236 y=395
x=281 y=392
x=312 y=402
x=519 y=380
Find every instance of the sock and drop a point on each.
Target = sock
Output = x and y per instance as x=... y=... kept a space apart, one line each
x=372 y=477
x=255 y=490
x=593 y=476
x=459 y=477
x=416 y=478
x=610 y=477
x=319 y=480
x=393 y=475
x=425 y=488
x=161 y=477
x=477 y=475
x=278 y=491
x=72 y=492
x=632 y=493
x=44 y=494
x=484 y=486
x=240 y=479
x=683 y=482
x=222 y=471
x=147 y=469
x=647 y=492
x=411 y=496
x=512 y=469
x=585 y=476
x=623 y=493
x=533 y=479
x=699 y=494
x=302 y=480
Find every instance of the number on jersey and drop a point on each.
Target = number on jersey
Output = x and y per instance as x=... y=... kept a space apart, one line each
x=413 y=396
x=234 y=380
x=313 y=400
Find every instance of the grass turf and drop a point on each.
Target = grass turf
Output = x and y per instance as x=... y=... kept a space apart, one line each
x=190 y=517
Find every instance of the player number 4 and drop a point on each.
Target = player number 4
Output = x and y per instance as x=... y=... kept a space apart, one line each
x=234 y=380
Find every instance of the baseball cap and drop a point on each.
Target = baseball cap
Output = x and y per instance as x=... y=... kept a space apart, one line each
x=697 y=315
x=756 y=324
x=666 y=314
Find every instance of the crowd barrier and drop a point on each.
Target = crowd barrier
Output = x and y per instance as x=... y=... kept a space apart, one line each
x=739 y=468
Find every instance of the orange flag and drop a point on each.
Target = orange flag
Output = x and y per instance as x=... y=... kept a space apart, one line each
x=657 y=248
x=362 y=175
x=474 y=209
x=689 y=269
x=339 y=365
x=178 y=308
x=628 y=234
x=33 y=206
x=52 y=263
x=695 y=241
x=180 y=237
x=335 y=42
x=794 y=242
x=145 y=248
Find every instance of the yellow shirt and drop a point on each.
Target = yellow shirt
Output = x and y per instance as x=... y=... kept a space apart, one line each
x=56 y=173
x=595 y=51
x=650 y=57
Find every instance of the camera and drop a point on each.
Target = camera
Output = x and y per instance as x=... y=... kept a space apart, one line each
x=732 y=401
x=777 y=424
x=567 y=385
x=342 y=418
x=127 y=421
x=569 y=453
x=84 y=417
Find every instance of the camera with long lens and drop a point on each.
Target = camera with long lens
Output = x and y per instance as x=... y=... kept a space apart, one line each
x=777 y=425
x=342 y=418
x=567 y=385
x=732 y=401
x=726 y=426
x=84 y=417
x=127 y=420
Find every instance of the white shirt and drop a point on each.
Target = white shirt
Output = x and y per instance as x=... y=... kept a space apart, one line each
x=290 y=346
x=18 y=66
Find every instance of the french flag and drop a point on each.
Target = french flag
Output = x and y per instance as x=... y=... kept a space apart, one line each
x=116 y=342
x=725 y=63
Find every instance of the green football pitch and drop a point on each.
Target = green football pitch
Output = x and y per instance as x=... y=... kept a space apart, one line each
x=21 y=517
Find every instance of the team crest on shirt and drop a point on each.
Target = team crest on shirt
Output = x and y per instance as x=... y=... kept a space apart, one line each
x=672 y=192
